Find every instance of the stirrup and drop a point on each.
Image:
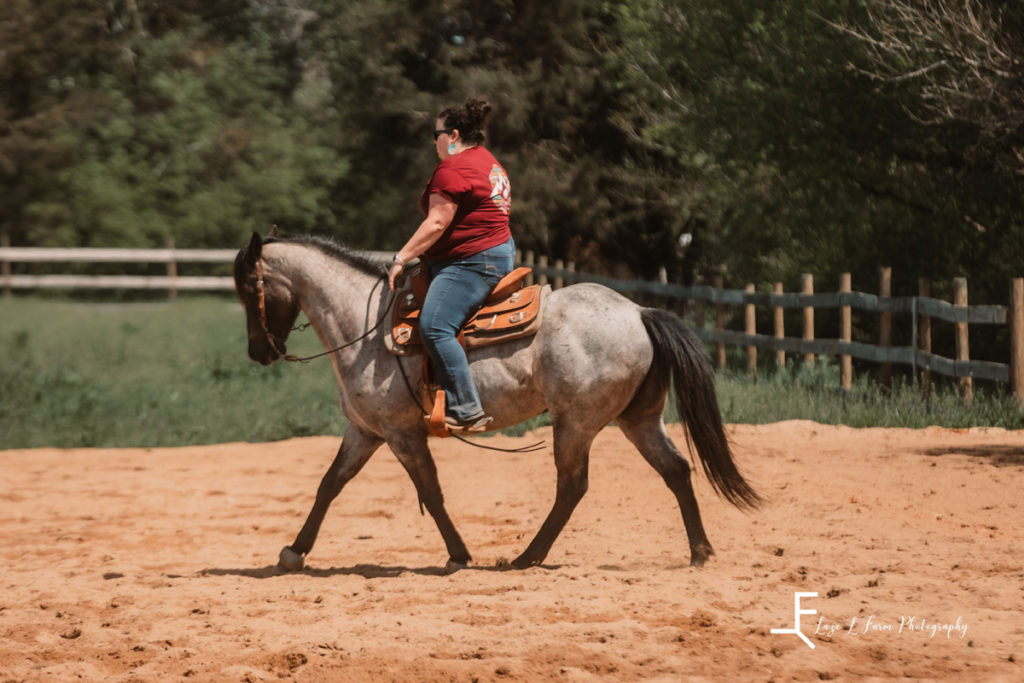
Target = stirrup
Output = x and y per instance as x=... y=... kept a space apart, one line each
x=435 y=419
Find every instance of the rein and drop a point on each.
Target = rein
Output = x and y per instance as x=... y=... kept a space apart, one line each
x=273 y=340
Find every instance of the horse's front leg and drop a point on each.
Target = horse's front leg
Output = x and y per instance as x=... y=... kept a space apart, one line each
x=356 y=449
x=411 y=450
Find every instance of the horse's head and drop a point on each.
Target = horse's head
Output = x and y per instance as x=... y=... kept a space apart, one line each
x=270 y=307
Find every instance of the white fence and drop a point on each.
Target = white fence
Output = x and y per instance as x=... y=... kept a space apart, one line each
x=172 y=282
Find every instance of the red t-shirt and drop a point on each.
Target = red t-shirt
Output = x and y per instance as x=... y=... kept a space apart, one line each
x=479 y=186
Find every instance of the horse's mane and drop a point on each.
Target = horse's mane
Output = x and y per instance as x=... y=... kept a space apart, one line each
x=330 y=247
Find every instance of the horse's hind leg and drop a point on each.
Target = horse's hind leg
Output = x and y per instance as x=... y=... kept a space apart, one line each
x=356 y=448
x=647 y=432
x=414 y=455
x=572 y=457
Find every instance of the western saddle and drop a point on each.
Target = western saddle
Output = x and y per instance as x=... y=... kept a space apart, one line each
x=511 y=311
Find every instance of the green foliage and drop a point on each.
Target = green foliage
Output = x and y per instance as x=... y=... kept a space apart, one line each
x=179 y=131
x=803 y=163
x=762 y=130
x=802 y=392
x=160 y=374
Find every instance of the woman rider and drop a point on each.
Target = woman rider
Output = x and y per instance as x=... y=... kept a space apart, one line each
x=466 y=242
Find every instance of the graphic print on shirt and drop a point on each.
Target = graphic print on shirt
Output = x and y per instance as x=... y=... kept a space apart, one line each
x=501 y=190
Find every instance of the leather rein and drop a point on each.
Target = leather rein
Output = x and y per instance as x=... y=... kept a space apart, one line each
x=273 y=340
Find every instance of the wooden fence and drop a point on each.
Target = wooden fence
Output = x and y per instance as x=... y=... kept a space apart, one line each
x=923 y=310
x=700 y=300
x=171 y=282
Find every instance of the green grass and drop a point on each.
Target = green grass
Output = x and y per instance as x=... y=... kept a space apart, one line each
x=150 y=374
x=813 y=393
x=169 y=374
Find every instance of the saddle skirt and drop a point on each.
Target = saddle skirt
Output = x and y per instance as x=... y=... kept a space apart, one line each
x=511 y=311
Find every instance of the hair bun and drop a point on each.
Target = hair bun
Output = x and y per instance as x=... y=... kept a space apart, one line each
x=477 y=110
x=469 y=118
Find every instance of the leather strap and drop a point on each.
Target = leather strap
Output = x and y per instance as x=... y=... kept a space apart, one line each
x=436 y=426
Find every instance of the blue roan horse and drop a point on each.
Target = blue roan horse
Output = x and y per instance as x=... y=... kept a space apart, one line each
x=597 y=358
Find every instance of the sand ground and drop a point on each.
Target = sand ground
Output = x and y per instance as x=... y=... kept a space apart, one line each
x=155 y=565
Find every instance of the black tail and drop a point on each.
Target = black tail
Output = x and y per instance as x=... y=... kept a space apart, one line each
x=677 y=349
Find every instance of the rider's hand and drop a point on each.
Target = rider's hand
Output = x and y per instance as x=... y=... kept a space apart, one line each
x=394 y=272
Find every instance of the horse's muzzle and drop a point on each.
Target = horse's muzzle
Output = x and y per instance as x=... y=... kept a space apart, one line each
x=264 y=354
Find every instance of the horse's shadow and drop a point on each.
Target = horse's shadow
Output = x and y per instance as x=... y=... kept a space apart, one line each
x=367 y=571
x=995 y=454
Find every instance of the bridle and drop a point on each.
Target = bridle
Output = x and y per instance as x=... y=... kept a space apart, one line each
x=261 y=300
x=273 y=339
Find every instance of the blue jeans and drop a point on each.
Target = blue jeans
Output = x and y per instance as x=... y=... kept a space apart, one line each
x=457 y=290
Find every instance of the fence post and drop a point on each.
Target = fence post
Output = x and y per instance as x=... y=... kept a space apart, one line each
x=962 y=340
x=172 y=271
x=528 y=262
x=924 y=331
x=719 y=284
x=751 y=328
x=845 y=335
x=885 y=328
x=542 y=264
x=807 y=287
x=1016 y=320
x=780 y=328
x=559 y=280
x=661 y=300
x=5 y=266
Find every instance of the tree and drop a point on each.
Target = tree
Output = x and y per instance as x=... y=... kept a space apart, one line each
x=796 y=162
x=954 y=69
x=962 y=59
x=176 y=121
x=47 y=48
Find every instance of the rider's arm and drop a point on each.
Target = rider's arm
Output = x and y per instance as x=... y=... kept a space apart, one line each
x=440 y=213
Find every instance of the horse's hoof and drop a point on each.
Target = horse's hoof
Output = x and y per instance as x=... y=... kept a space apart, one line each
x=503 y=563
x=452 y=566
x=290 y=561
x=522 y=562
x=699 y=556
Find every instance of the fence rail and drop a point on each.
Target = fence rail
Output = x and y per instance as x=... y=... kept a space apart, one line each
x=171 y=282
x=922 y=309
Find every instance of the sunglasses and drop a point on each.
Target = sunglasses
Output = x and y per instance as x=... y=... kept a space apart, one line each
x=443 y=131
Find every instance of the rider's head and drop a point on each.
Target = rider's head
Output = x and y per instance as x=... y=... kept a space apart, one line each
x=461 y=127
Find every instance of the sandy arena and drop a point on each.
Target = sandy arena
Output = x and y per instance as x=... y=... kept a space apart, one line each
x=155 y=565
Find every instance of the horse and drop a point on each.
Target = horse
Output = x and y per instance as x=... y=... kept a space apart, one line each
x=597 y=358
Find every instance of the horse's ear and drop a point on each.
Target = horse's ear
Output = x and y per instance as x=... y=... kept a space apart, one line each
x=255 y=250
x=273 y=231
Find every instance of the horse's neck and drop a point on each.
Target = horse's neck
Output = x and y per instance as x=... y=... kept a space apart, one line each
x=340 y=300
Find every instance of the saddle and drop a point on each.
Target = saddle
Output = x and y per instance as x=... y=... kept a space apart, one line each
x=511 y=311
